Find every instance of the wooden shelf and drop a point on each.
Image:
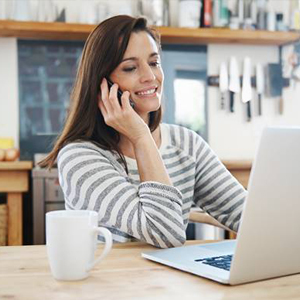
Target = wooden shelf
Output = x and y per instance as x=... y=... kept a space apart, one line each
x=68 y=31
x=227 y=36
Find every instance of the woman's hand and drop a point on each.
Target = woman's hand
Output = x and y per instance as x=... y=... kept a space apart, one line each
x=122 y=118
x=127 y=122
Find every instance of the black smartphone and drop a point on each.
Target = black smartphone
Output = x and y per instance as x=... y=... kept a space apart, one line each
x=110 y=84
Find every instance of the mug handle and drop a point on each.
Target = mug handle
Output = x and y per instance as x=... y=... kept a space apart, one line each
x=107 y=247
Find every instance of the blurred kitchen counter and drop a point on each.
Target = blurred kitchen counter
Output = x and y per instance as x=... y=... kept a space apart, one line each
x=14 y=180
x=15 y=165
x=240 y=169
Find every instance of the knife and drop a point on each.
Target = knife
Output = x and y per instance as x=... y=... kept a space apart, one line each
x=223 y=83
x=234 y=81
x=259 y=85
x=246 y=86
x=275 y=82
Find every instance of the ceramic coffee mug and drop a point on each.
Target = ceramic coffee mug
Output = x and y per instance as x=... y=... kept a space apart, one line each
x=71 y=238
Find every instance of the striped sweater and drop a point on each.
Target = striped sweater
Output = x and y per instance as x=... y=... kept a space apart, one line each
x=94 y=179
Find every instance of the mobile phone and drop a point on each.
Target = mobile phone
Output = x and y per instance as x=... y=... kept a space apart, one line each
x=119 y=94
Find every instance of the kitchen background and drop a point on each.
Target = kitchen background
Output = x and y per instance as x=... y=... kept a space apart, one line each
x=36 y=75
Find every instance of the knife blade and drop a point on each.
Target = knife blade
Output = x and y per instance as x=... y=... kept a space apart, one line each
x=260 y=85
x=223 y=83
x=246 y=86
x=234 y=81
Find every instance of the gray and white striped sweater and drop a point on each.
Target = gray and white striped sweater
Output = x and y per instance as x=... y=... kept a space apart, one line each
x=94 y=179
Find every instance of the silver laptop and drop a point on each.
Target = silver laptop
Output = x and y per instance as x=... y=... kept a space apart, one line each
x=268 y=241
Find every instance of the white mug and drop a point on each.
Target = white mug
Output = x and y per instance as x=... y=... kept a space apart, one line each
x=71 y=238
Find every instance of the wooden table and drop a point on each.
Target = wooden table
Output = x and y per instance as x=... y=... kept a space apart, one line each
x=14 y=181
x=124 y=274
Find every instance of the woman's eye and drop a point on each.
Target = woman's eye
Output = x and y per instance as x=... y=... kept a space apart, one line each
x=129 y=69
x=155 y=63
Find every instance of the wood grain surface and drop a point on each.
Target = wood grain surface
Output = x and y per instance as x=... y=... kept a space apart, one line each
x=124 y=274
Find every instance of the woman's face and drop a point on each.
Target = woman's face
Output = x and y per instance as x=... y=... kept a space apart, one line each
x=140 y=73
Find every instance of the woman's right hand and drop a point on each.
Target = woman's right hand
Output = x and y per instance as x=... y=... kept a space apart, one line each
x=123 y=119
x=127 y=121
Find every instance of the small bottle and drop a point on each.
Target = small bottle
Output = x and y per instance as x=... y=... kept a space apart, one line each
x=271 y=20
x=234 y=23
x=261 y=14
x=248 y=24
x=216 y=13
x=253 y=13
x=190 y=13
x=297 y=20
x=241 y=12
x=279 y=22
x=224 y=15
x=207 y=16
x=294 y=15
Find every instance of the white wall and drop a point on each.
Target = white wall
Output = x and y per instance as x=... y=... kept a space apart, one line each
x=230 y=135
x=9 y=103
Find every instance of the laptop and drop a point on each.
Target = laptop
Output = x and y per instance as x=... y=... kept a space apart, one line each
x=268 y=241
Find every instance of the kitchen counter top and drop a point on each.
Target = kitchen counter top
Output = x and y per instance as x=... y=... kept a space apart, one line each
x=15 y=165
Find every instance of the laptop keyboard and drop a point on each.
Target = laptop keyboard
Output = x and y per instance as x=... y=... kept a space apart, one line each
x=221 y=262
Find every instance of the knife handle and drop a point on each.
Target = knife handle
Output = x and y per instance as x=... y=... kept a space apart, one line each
x=281 y=105
x=248 y=111
x=231 y=101
x=259 y=104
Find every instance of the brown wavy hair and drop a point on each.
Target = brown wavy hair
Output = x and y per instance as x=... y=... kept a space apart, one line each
x=102 y=53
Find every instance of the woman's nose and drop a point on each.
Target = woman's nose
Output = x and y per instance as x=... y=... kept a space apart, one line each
x=147 y=74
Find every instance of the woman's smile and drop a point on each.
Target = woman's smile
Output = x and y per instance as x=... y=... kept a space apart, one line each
x=147 y=92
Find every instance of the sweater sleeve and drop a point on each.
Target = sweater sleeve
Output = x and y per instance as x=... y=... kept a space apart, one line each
x=91 y=181
x=216 y=191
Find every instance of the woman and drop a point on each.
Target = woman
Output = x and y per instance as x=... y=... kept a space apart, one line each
x=141 y=176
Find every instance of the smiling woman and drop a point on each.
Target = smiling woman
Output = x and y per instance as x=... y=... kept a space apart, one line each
x=141 y=176
x=140 y=73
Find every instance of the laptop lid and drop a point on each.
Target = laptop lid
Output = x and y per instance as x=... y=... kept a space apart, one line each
x=268 y=243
